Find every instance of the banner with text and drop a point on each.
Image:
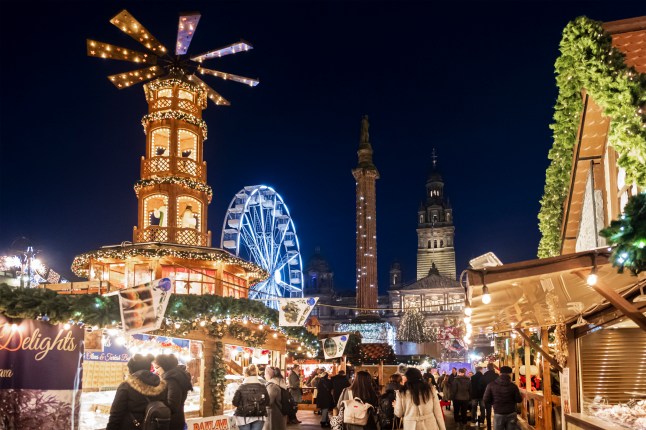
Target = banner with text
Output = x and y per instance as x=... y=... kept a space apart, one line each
x=220 y=422
x=40 y=374
x=294 y=312
x=333 y=347
x=143 y=307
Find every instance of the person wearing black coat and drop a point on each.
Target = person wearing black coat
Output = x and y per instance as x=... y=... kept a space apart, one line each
x=489 y=376
x=141 y=385
x=476 y=398
x=339 y=382
x=461 y=394
x=178 y=381
x=324 y=399
x=503 y=395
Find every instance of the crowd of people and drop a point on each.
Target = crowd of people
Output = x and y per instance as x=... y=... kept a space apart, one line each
x=157 y=387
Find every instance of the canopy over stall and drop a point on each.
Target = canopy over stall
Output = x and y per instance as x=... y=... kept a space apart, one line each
x=549 y=291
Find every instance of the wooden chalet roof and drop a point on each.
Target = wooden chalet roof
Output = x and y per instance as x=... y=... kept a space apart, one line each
x=629 y=36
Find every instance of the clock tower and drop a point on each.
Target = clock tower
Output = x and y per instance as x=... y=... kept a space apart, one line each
x=435 y=230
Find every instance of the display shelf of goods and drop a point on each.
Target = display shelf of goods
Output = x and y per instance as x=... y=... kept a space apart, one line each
x=589 y=62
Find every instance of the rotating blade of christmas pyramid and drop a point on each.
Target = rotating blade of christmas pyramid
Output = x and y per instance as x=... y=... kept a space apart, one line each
x=185 y=31
x=221 y=52
x=127 y=79
x=113 y=52
x=129 y=25
x=212 y=94
x=229 y=76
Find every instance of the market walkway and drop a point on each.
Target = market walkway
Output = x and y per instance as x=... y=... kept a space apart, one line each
x=311 y=421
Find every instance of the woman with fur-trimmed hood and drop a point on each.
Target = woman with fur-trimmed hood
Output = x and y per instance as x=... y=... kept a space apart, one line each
x=129 y=405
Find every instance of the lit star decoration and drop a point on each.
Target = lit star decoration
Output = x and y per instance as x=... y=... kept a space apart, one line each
x=628 y=236
x=588 y=60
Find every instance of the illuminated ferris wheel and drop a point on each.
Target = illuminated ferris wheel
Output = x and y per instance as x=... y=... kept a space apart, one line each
x=258 y=228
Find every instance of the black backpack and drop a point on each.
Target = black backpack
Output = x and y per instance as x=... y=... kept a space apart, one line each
x=253 y=401
x=287 y=403
x=157 y=416
x=385 y=410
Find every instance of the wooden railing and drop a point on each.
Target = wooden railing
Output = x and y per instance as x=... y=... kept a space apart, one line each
x=176 y=166
x=184 y=236
x=166 y=103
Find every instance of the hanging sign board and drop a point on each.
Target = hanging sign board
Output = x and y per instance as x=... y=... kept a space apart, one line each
x=333 y=347
x=143 y=307
x=565 y=393
x=294 y=312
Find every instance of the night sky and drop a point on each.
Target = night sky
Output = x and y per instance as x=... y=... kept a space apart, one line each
x=473 y=80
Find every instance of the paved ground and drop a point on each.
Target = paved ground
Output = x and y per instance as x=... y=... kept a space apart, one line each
x=311 y=421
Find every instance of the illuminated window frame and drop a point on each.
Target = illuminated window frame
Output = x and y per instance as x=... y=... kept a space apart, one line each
x=186 y=95
x=153 y=145
x=196 y=208
x=165 y=92
x=148 y=209
x=182 y=133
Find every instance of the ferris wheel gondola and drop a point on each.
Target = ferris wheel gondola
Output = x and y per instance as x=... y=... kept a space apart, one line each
x=258 y=227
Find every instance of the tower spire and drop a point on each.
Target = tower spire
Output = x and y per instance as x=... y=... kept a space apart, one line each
x=434 y=157
x=365 y=148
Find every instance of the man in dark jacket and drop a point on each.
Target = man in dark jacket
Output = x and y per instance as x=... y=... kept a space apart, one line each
x=339 y=382
x=294 y=384
x=489 y=376
x=461 y=394
x=178 y=381
x=129 y=405
x=503 y=395
x=477 y=391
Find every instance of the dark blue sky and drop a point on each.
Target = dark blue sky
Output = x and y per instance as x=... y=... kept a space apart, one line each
x=473 y=80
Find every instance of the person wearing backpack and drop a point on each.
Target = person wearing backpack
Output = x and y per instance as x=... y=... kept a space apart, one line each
x=359 y=402
x=278 y=409
x=386 y=410
x=178 y=381
x=418 y=405
x=461 y=395
x=251 y=400
x=136 y=394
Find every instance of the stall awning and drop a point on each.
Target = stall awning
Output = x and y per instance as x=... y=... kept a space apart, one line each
x=549 y=291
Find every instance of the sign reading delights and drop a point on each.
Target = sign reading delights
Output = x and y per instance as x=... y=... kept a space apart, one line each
x=36 y=354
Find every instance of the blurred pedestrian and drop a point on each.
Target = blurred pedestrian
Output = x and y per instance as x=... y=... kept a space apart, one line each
x=275 y=382
x=178 y=381
x=251 y=401
x=324 y=399
x=294 y=383
x=461 y=395
x=418 y=404
x=503 y=395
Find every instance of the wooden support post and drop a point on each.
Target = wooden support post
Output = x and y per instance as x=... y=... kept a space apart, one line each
x=617 y=301
x=552 y=361
x=206 y=408
x=547 y=384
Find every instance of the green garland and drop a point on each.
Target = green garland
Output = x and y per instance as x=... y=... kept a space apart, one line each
x=184 y=313
x=588 y=61
x=187 y=182
x=217 y=381
x=173 y=114
x=81 y=262
x=628 y=234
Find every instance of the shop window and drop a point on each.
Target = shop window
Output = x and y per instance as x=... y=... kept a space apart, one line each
x=412 y=301
x=189 y=212
x=156 y=211
x=188 y=281
x=186 y=95
x=165 y=92
x=233 y=286
x=160 y=144
x=441 y=243
x=187 y=144
x=435 y=244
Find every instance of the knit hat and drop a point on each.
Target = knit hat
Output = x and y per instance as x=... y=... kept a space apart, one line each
x=506 y=369
x=140 y=362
